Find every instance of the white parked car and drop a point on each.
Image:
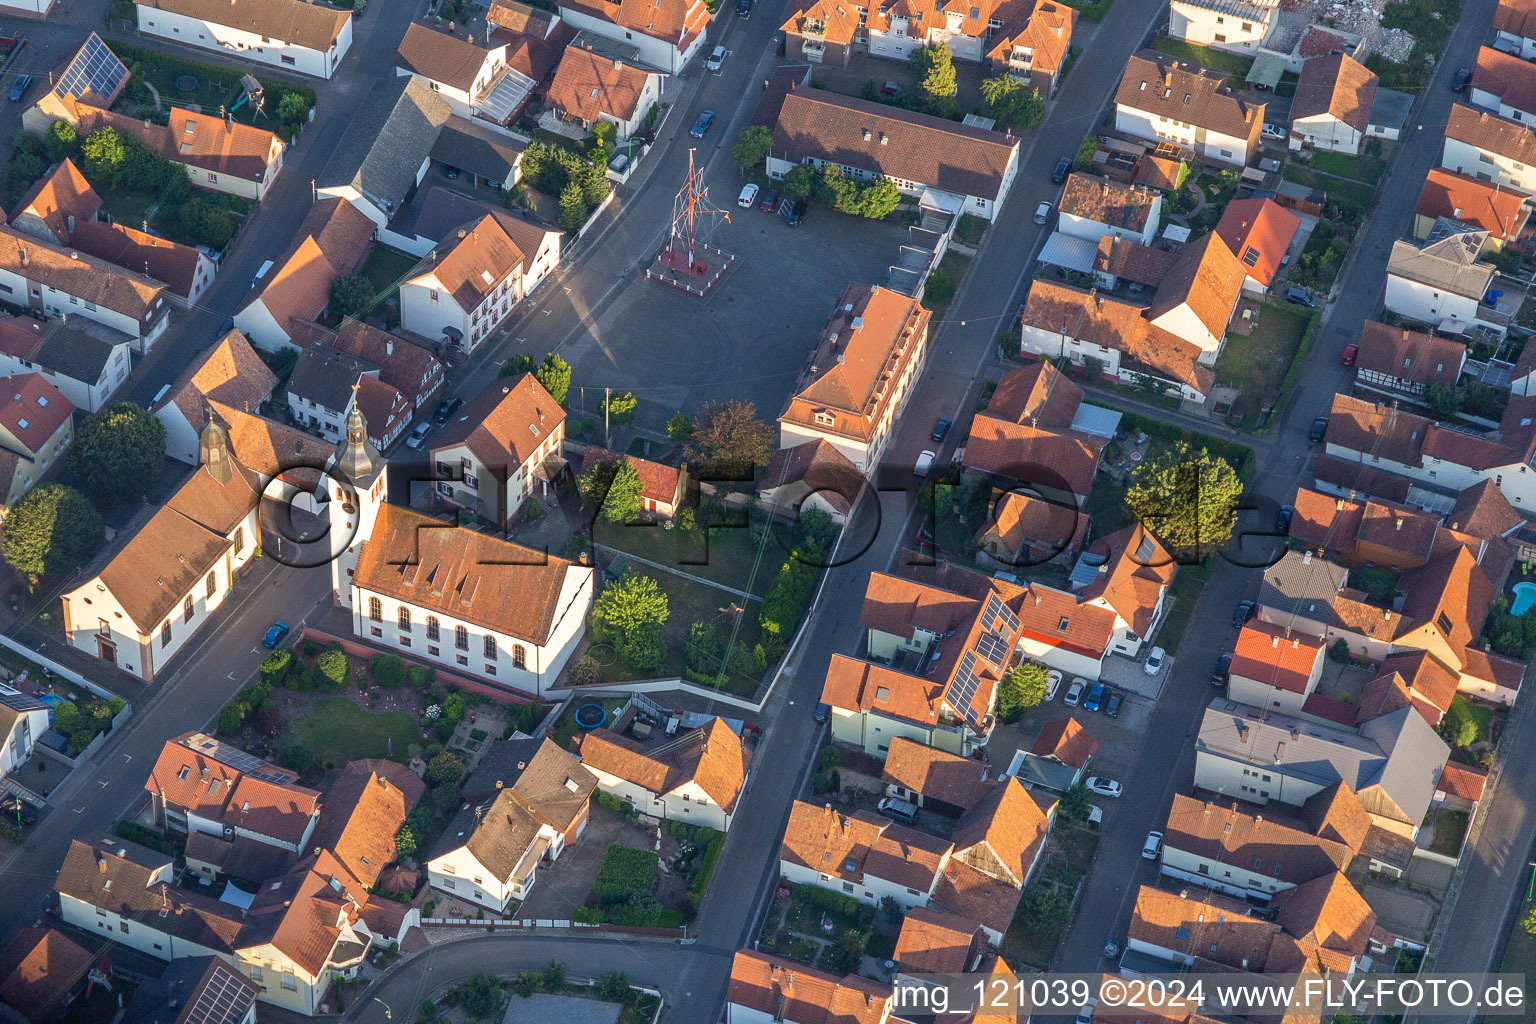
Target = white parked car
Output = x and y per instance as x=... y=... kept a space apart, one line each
x=1042 y=213
x=1154 y=663
x=419 y=434
x=1075 y=692
x=1273 y=131
x=1152 y=846
x=716 y=59
x=925 y=462
x=1052 y=684
x=748 y=197
x=1104 y=786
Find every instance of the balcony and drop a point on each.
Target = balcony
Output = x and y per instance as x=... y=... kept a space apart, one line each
x=812 y=52
x=814 y=30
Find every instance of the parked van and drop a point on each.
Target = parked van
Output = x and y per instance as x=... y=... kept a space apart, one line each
x=893 y=807
x=261 y=273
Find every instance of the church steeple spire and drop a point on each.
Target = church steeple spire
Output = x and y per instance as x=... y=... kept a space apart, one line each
x=213 y=449
x=356 y=458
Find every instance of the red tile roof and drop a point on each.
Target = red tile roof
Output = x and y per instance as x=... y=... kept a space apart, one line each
x=32 y=410
x=675 y=22
x=1463 y=781
x=588 y=85
x=1065 y=740
x=1044 y=27
x=789 y=991
x=1259 y=231
x=1337 y=85
x=1409 y=356
x=935 y=942
x=1506 y=76
x=1487 y=206
x=1274 y=655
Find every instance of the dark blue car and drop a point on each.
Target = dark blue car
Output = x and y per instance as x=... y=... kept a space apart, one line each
x=702 y=124
x=275 y=634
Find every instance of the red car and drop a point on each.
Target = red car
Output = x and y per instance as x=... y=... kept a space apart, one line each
x=1348 y=356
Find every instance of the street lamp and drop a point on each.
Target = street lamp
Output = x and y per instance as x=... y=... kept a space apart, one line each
x=388 y=1014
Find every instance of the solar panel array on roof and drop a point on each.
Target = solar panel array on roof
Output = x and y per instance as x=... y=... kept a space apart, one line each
x=20 y=701
x=962 y=687
x=997 y=610
x=992 y=647
x=224 y=1000
x=95 y=69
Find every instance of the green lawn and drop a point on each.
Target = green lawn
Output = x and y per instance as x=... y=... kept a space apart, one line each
x=335 y=729
x=384 y=269
x=1450 y=829
x=953 y=266
x=215 y=86
x=689 y=601
x=1218 y=59
x=566 y=728
x=1260 y=360
x=1106 y=504
x=1363 y=168
x=1347 y=198
x=722 y=554
x=1483 y=715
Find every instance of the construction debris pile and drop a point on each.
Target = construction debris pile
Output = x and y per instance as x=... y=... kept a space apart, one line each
x=1361 y=18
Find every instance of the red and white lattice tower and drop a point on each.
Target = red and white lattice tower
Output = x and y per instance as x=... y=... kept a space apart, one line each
x=686 y=261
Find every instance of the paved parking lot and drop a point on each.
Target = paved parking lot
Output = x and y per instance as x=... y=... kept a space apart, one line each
x=748 y=338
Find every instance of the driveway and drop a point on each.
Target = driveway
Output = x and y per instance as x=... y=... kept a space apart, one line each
x=565 y=885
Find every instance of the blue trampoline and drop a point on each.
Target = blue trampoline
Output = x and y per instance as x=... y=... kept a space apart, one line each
x=590 y=716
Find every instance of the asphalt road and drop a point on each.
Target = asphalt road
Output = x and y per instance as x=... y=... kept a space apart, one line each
x=1495 y=866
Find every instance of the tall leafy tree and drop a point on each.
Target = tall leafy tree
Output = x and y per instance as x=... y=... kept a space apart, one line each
x=1187 y=499
x=117 y=453
x=573 y=207
x=1012 y=102
x=630 y=614
x=612 y=488
x=1021 y=689
x=106 y=155
x=728 y=436
x=351 y=294
x=53 y=530
x=934 y=67
x=555 y=374
x=751 y=146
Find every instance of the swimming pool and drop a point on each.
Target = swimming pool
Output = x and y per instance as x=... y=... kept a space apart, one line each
x=1525 y=598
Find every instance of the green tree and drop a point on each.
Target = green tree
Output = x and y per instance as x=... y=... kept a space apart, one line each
x=612 y=489
x=751 y=146
x=293 y=108
x=106 y=156
x=552 y=978
x=444 y=770
x=704 y=648
x=605 y=134
x=680 y=426
x=1021 y=689
x=934 y=67
x=61 y=141
x=1460 y=727
x=630 y=614
x=351 y=295
x=555 y=374
x=1075 y=802
x=799 y=181
x=1442 y=399
x=332 y=669
x=209 y=224
x=388 y=670
x=614 y=986
x=274 y=668
x=573 y=208
x=230 y=717
x=296 y=758
x=728 y=438
x=1339 y=652
x=53 y=530
x=939 y=289
x=620 y=408
x=480 y=994
x=594 y=183
x=584 y=671
x=879 y=199
x=1011 y=102
x=118 y=452
x=1528 y=922
x=1187 y=499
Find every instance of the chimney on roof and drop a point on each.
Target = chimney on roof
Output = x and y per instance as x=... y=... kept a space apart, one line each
x=389 y=346
x=1399 y=524
x=101 y=864
x=618 y=65
x=461 y=233
x=1306 y=558
x=70 y=223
